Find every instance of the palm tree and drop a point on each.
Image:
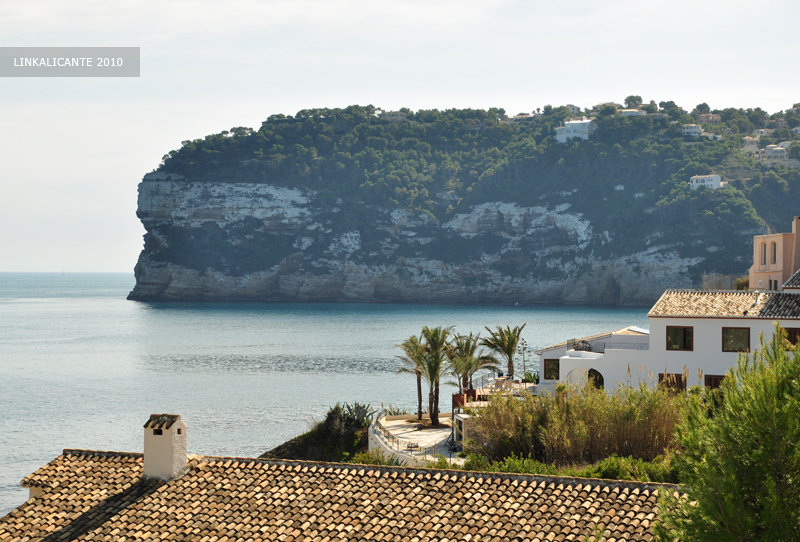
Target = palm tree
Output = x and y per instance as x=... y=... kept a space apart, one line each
x=436 y=345
x=504 y=341
x=466 y=359
x=413 y=358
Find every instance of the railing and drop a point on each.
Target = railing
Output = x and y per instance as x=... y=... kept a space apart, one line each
x=403 y=445
x=484 y=381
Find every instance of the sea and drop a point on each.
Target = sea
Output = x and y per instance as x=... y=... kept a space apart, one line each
x=82 y=367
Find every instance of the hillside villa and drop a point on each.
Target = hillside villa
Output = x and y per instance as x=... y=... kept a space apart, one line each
x=707 y=181
x=776 y=257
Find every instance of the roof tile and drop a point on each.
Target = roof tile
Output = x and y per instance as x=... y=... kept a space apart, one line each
x=101 y=496
x=727 y=304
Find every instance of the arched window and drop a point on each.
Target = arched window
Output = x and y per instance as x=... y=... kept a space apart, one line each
x=763 y=254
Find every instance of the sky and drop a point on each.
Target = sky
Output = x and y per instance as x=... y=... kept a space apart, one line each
x=73 y=150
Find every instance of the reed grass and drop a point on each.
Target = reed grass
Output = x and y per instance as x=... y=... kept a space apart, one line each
x=579 y=426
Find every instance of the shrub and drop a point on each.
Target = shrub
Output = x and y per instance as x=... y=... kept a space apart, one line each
x=376 y=457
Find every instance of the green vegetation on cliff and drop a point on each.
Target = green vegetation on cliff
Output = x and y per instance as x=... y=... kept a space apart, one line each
x=629 y=181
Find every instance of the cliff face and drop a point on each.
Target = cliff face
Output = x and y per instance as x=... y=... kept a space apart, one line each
x=211 y=241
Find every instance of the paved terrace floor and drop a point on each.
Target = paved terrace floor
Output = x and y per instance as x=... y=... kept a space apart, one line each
x=407 y=431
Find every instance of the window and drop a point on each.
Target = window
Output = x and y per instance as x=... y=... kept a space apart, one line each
x=792 y=334
x=774 y=248
x=763 y=254
x=156 y=431
x=735 y=339
x=551 y=369
x=713 y=382
x=680 y=338
x=672 y=381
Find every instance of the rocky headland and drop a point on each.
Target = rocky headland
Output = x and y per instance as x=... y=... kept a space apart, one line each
x=338 y=206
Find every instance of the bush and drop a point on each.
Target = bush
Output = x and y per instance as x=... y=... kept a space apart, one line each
x=376 y=457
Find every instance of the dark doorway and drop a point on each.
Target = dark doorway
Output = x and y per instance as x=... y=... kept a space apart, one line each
x=597 y=379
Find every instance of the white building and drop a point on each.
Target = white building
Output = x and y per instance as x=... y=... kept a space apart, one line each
x=393 y=116
x=629 y=338
x=632 y=113
x=573 y=109
x=695 y=337
x=751 y=143
x=709 y=181
x=771 y=152
x=796 y=129
x=692 y=130
x=762 y=132
x=572 y=129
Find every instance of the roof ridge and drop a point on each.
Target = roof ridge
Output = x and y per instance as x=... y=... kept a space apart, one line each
x=627 y=484
x=104 y=453
x=388 y=469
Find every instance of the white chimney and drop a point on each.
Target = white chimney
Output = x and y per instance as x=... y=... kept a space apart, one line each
x=164 y=447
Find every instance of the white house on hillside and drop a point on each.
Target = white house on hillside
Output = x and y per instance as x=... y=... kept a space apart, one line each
x=695 y=337
x=580 y=129
x=709 y=181
x=393 y=116
x=692 y=130
x=632 y=113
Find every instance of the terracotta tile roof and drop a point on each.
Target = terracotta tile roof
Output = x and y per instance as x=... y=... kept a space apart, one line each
x=727 y=304
x=794 y=281
x=161 y=421
x=100 y=496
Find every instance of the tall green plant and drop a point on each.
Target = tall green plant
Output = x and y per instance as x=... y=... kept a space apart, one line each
x=740 y=461
x=466 y=359
x=505 y=341
x=436 y=344
x=413 y=359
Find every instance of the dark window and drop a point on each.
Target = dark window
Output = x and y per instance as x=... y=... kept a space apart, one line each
x=713 y=382
x=672 y=381
x=774 y=253
x=792 y=334
x=680 y=338
x=551 y=369
x=735 y=339
x=156 y=431
x=763 y=254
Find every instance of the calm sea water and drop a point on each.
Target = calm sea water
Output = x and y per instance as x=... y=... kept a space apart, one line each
x=81 y=367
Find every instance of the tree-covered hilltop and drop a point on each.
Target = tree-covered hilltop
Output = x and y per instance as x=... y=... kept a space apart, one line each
x=441 y=161
x=496 y=200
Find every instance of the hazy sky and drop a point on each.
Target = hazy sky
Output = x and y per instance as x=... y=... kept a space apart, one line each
x=73 y=150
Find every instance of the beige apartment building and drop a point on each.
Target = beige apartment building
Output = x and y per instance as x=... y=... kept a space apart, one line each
x=776 y=257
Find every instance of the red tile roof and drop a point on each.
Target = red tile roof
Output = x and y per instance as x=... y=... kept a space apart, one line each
x=100 y=496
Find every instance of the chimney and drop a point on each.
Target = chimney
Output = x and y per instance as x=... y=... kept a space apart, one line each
x=164 y=447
